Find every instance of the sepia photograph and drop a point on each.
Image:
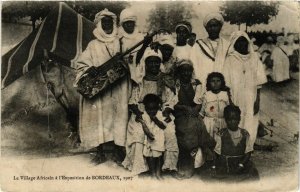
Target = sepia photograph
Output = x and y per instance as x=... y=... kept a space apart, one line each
x=150 y=96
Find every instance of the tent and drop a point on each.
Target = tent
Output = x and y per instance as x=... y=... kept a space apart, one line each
x=63 y=32
x=32 y=115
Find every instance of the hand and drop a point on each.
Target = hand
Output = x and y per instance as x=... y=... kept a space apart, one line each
x=92 y=70
x=147 y=40
x=256 y=106
x=158 y=122
x=166 y=113
x=139 y=118
x=147 y=131
x=155 y=46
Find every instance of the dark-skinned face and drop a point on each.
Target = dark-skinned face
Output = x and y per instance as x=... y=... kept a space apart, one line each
x=182 y=35
x=186 y=72
x=232 y=121
x=166 y=51
x=107 y=24
x=213 y=28
x=128 y=26
x=151 y=109
x=152 y=65
x=241 y=45
x=215 y=84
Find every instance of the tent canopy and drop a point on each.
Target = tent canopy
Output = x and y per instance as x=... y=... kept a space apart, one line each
x=63 y=32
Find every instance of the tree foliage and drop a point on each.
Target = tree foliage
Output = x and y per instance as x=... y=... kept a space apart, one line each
x=249 y=12
x=15 y=10
x=167 y=14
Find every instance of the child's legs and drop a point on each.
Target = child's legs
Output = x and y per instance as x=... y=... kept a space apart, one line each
x=151 y=164
x=158 y=166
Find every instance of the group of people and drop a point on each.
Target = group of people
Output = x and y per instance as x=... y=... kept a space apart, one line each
x=184 y=104
x=280 y=58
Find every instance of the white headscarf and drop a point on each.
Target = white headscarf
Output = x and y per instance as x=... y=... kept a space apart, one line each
x=216 y=16
x=141 y=69
x=184 y=24
x=127 y=15
x=234 y=37
x=98 y=32
x=165 y=38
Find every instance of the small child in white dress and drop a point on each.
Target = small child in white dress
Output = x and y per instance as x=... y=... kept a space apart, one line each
x=213 y=103
x=157 y=133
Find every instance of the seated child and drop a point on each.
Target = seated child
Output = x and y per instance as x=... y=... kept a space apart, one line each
x=233 y=150
x=157 y=136
x=213 y=103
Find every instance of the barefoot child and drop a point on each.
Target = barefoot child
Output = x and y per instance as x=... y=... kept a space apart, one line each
x=155 y=126
x=213 y=103
x=233 y=149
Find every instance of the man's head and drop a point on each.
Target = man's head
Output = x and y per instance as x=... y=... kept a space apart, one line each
x=152 y=65
x=129 y=26
x=105 y=20
x=192 y=39
x=183 y=31
x=213 y=24
x=241 y=45
x=107 y=24
x=128 y=20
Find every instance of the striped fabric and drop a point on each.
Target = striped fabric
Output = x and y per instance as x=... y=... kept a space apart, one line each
x=63 y=32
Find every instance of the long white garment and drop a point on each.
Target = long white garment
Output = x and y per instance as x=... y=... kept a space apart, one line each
x=181 y=53
x=281 y=65
x=203 y=64
x=243 y=78
x=243 y=75
x=98 y=123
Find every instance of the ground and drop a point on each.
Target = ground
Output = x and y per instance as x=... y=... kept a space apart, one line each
x=278 y=169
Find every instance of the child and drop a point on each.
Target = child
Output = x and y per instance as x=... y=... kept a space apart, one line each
x=154 y=125
x=233 y=149
x=213 y=103
x=193 y=140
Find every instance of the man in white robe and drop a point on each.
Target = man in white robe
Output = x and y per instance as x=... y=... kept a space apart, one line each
x=281 y=63
x=208 y=55
x=98 y=123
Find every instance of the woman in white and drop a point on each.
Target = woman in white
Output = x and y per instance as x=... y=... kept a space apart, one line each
x=244 y=74
x=98 y=123
x=281 y=63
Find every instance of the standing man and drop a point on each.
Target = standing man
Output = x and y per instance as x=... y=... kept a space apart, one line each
x=208 y=54
x=129 y=36
x=98 y=124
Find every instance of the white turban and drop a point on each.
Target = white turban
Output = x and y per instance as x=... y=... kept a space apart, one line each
x=184 y=24
x=216 y=16
x=165 y=38
x=127 y=15
x=141 y=69
x=104 y=13
x=98 y=32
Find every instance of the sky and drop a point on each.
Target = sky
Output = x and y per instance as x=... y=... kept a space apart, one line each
x=288 y=16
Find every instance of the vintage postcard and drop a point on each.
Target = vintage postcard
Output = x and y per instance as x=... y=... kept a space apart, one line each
x=150 y=96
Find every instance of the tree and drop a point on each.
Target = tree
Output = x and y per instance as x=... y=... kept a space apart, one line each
x=167 y=14
x=249 y=12
x=39 y=9
x=89 y=9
